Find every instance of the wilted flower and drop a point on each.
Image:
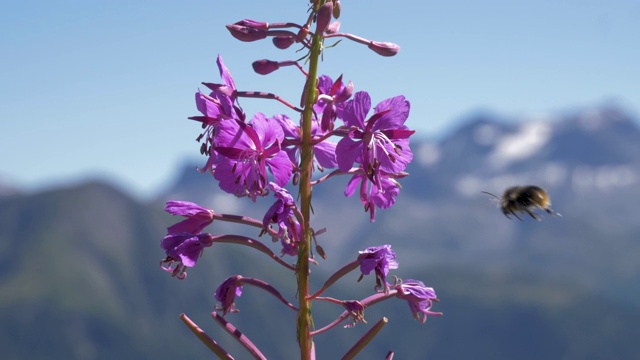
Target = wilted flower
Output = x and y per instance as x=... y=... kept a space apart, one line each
x=282 y=213
x=356 y=311
x=226 y=294
x=419 y=297
x=183 y=250
x=379 y=259
x=184 y=241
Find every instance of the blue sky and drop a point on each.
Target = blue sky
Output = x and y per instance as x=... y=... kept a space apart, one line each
x=103 y=88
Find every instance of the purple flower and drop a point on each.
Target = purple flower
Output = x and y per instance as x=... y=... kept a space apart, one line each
x=379 y=259
x=186 y=247
x=219 y=104
x=419 y=297
x=372 y=195
x=198 y=217
x=380 y=143
x=282 y=213
x=215 y=107
x=245 y=151
x=331 y=100
x=226 y=294
x=184 y=242
x=183 y=250
x=324 y=152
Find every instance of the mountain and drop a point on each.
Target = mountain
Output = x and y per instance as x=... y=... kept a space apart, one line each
x=81 y=279
x=587 y=160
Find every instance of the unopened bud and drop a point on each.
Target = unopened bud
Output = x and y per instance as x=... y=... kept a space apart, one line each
x=246 y=33
x=258 y=25
x=264 y=66
x=336 y=9
x=324 y=17
x=283 y=42
x=333 y=27
x=384 y=48
x=321 y=252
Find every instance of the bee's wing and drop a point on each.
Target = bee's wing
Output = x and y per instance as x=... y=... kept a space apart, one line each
x=494 y=199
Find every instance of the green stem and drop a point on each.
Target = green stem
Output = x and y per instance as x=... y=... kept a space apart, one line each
x=305 y=319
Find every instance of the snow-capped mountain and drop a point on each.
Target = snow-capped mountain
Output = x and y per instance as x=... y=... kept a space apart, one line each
x=588 y=161
x=595 y=149
x=87 y=256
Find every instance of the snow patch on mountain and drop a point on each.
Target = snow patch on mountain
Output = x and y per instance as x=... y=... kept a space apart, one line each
x=427 y=154
x=519 y=146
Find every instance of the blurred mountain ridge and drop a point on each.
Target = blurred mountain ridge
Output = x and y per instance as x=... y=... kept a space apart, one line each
x=81 y=277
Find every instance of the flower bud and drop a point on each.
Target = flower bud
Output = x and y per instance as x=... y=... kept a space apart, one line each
x=336 y=9
x=324 y=17
x=246 y=33
x=258 y=25
x=384 y=48
x=264 y=66
x=333 y=27
x=283 y=42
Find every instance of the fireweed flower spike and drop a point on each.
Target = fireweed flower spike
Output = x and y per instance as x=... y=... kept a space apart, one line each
x=256 y=157
x=245 y=151
x=419 y=297
x=379 y=259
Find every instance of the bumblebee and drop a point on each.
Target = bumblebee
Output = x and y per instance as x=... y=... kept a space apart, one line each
x=524 y=199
